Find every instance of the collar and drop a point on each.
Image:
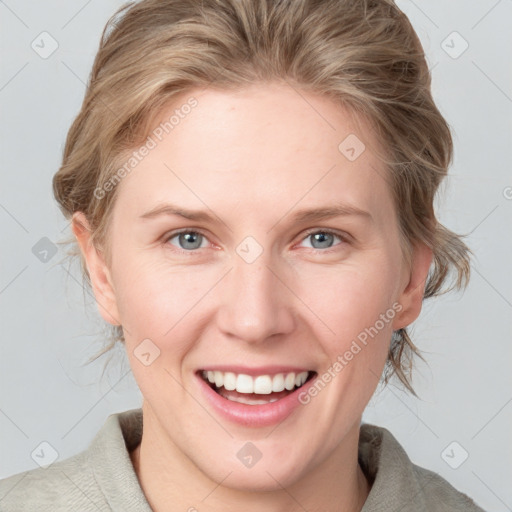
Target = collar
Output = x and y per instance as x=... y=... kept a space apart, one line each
x=396 y=483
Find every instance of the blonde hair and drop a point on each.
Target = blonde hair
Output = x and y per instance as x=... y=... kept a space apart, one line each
x=362 y=54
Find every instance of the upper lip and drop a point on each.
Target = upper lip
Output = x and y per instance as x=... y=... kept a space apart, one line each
x=255 y=370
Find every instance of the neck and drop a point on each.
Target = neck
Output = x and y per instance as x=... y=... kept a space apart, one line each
x=166 y=476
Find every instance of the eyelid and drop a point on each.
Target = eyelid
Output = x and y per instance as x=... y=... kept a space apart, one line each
x=173 y=233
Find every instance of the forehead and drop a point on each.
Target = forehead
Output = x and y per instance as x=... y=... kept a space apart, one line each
x=264 y=146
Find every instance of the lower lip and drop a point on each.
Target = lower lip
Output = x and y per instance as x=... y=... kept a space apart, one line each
x=254 y=415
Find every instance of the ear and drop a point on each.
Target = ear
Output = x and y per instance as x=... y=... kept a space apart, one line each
x=411 y=297
x=99 y=273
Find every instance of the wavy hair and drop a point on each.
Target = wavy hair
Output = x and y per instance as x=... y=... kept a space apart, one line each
x=362 y=54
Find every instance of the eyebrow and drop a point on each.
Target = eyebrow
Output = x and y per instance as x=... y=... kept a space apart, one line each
x=304 y=215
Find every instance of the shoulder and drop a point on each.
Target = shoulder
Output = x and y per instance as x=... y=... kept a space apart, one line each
x=398 y=484
x=100 y=478
x=65 y=485
x=440 y=495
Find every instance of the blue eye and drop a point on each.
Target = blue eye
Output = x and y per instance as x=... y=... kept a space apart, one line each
x=322 y=239
x=188 y=240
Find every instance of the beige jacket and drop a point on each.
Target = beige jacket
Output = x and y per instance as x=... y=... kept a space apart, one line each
x=102 y=477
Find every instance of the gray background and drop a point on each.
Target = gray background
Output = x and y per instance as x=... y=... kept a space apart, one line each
x=46 y=394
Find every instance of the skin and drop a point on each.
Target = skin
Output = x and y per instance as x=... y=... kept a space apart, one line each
x=251 y=159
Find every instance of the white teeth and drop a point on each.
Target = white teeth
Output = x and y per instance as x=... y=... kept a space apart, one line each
x=278 y=383
x=250 y=401
x=301 y=378
x=261 y=385
x=289 y=381
x=244 y=384
x=229 y=381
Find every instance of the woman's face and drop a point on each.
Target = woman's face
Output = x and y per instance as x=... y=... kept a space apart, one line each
x=260 y=283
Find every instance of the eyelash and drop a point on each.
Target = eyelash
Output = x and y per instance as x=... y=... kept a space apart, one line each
x=343 y=237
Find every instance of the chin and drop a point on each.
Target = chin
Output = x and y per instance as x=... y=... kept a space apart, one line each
x=252 y=480
x=269 y=473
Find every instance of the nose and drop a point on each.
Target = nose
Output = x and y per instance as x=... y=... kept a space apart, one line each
x=255 y=303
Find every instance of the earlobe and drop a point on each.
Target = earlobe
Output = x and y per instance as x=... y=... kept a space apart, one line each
x=411 y=298
x=99 y=273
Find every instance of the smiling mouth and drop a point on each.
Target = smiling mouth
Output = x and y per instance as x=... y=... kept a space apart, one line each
x=255 y=390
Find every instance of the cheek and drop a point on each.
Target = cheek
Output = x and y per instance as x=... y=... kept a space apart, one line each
x=160 y=310
x=350 y=299
x=156 y=299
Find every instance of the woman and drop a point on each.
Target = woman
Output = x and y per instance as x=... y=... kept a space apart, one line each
x=251 y=187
